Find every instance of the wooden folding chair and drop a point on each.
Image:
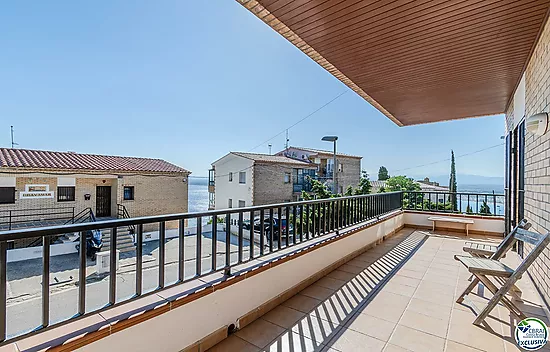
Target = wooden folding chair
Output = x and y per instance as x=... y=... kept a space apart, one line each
x=484 y=269
x=482 y=250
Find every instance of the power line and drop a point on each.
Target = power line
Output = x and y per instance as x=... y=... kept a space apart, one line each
x=302 y=119
x=287 y=128
x=443 y=160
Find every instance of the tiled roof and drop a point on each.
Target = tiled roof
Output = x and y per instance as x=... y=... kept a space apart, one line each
x=41 y=159
x=276 y=159
x=321 y=151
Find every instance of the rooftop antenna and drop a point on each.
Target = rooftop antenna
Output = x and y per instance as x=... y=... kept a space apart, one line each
x=269 y=146
x=287 y=140
x=13 y=144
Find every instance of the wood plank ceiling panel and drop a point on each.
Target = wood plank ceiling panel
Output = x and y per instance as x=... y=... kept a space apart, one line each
x=417 y=61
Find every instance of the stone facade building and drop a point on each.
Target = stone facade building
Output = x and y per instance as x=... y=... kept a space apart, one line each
x=348 y=166
x=246 y=179
x=42 y=187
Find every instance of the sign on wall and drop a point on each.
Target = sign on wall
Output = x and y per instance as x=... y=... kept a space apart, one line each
x=36 y=191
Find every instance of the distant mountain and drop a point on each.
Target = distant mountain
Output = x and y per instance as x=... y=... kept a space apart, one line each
x=465 y=179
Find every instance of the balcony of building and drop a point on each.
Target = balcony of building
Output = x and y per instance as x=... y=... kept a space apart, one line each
x=346 y=274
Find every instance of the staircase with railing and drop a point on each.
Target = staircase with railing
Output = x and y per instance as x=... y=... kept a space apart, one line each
x=125 y=235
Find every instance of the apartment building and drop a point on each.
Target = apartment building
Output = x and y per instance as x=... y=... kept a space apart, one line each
x=348 y=166
x=245 y=179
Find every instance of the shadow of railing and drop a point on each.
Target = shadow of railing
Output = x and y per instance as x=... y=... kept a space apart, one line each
x=316 y=330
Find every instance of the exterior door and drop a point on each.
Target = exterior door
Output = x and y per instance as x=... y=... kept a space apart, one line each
x=103 y=201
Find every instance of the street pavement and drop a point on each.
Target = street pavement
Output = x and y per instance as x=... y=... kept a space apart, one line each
x=24 y=311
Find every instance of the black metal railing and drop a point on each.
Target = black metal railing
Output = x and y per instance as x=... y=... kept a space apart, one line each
x=489 y=204
x=11 y=219
x=257 y=231
x=122 y=213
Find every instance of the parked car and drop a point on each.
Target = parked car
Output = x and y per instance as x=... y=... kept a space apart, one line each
x=278 y=226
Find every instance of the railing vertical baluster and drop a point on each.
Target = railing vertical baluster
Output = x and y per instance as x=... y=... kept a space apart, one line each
x=494 y=204
x=241 y=220
x=112 y=267
x=46 y=281
x=162 y=252
x=294 y=222
x=314 y=220
x=214 y=242
x=271 y=234
x=228 y=240
x=287 y=227
x=252 y=234
x=468 y=206
x=460 y=204
x=139 y=260
x=280 y=230
x=181 y=254
x=301 y=222
x=3 y=288
x=198 y=263
x=477 y=204
x=444 y=203
x=307 y=221
x=82 y=274
x=262 y=231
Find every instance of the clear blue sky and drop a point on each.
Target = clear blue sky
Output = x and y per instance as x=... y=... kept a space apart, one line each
x=188 y=81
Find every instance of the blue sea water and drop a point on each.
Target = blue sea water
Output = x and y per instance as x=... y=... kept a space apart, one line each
x=198 y=195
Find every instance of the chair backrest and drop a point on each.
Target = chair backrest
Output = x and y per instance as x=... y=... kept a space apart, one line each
x=538 y=241
x=509 y=240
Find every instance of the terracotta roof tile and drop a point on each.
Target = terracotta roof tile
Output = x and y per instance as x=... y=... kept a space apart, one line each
x=41 y=159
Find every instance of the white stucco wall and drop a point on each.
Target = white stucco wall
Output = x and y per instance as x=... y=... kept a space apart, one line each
x=226 y=190
x=485 y=224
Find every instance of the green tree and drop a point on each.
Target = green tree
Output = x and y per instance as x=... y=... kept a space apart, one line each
x=318 y=189
x=401 y=183
x=469 y=209
x=452 y=183
x=364 y=186
x=383 y=174
x=349 y=191
x=484 y=209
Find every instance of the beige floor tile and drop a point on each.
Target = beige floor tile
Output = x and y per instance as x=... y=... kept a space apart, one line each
x=394 y=348
x=260 y=332
x=385 y=311
x=292 y=342
x=350 y=269
x=353 y=341
x=372 y=326
x=403 y=280
x=430 y=309
x=411 y=273
x=317 y=292
x=283 y=316
x=457 y=347
x=399 y=289
x=337 y=309
x=425 y=323
x=360 y=263
x=448 y=280
x=462 y=330
x=331 y=283
x=341 y=275
x=234 y=343
x=315 y=328
x=416 y=340
x=302 y=303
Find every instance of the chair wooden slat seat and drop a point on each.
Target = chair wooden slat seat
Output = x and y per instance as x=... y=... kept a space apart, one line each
x=485 y=266
x=477 y=249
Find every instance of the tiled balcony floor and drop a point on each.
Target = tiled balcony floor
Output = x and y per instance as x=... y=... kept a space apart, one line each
x=398 y=296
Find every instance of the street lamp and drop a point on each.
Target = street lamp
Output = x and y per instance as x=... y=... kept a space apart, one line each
x=334 y=182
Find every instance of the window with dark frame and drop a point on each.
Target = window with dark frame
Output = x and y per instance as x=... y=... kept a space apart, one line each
x=128 y=192
x=7 y=195
x=65 y=194
x=242 y=177
x=230 y=177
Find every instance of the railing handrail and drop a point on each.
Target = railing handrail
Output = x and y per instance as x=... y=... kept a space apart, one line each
x=457 y=193
x=52 y=230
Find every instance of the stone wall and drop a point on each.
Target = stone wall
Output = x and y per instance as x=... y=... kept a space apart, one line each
x=351 y=174
x=537 y=155
x=269 y=184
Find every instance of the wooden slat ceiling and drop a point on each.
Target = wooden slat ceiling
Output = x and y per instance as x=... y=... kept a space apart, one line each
x=417 y=61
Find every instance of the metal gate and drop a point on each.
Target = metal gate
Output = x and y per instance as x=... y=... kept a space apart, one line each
x=103 y=201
